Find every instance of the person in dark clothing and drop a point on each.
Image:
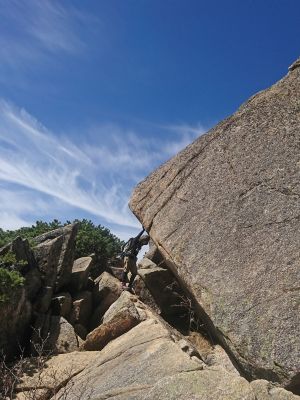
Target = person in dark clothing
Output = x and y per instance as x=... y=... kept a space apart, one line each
x=130 y=252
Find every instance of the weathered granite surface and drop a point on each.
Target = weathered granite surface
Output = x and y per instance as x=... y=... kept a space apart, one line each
x=42 y=383
x=225 y=213
x=54 y=253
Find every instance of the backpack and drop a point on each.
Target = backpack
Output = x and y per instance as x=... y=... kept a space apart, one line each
x=129 y=248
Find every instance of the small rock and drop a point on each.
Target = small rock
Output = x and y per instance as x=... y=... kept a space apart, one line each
x=61 y=304
x=106 y=285
x=119 y=318
x=82 y=308
x=80 y=273
x=63 y=338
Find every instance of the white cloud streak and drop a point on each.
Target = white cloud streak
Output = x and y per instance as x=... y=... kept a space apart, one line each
x=96 y=178
x=33 y=31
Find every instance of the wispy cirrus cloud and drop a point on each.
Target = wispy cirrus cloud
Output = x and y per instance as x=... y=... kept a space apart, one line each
x=42 y=173
x=33 y=31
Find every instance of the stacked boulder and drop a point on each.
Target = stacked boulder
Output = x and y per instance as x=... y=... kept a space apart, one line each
x=59 y=303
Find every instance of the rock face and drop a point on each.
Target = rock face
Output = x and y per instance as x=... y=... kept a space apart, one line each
x=150 y=362
x=131 y=364
x=165 y=290
x=16 y=314
x=213 y=383
x=225 y=213
x=54 y=253
x=15 y=320
x=57 y=371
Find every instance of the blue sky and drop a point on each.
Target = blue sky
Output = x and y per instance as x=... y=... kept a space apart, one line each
x=95 y=94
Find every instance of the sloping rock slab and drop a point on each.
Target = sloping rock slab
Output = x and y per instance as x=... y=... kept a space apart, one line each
x=225 y=213
x=147 y=363
x=210 y=384
x=264 y=390
x=215 y=383
x=131 y=364
x=43 y=379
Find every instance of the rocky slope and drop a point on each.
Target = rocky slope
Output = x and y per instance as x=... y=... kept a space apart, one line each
x=222 y=270
x=225 y=213
x=125 y=349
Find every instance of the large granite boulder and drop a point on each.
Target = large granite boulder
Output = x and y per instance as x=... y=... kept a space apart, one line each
x=62 y=337
x=225 y=213
x=54 y=253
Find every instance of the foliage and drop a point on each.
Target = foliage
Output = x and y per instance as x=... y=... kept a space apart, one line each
x=91 y=238
x=96 y=239
x=28 y=232
x=9 y=280
x=9 y=260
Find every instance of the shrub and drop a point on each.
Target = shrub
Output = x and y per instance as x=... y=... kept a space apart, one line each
x=9 y=281
x=9 y=260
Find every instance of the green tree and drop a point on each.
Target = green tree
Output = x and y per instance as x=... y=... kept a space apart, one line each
x=91 y=238
x=96 y=239
x=9 y=280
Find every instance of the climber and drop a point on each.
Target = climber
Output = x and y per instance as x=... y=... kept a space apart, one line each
x=130 y=252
